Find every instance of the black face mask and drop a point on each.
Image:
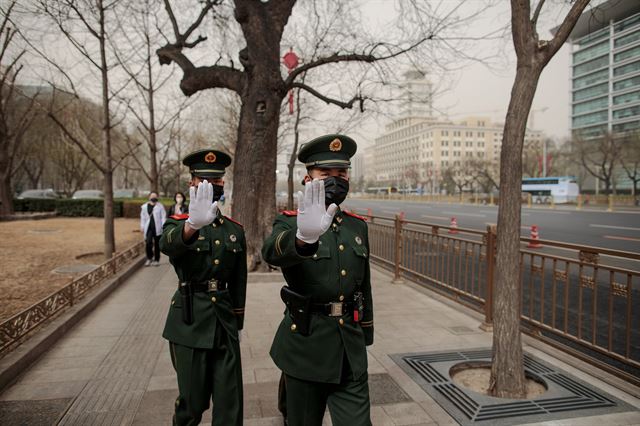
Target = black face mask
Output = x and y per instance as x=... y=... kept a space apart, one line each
x=335 y=190
x=153 y=200
x=218 y=191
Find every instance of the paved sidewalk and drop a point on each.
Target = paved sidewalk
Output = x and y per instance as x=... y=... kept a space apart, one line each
x=114 y=367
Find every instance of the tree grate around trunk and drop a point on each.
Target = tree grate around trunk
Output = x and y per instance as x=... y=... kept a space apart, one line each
x=566 y=396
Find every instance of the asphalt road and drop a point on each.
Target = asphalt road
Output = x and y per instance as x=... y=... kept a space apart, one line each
x=618 y=230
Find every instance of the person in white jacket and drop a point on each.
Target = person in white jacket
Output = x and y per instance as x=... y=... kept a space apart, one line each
x=152 y=217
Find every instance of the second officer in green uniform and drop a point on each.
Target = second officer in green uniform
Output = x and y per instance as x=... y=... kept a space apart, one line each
x=208 y=252
x=323 y=252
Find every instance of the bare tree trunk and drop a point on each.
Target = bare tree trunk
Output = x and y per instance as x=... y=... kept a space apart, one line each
x=6 y=196
x=153 y=147
x=109 y=232
x=291 y=166
x=507 y=373
x=255 y=192
x=294 y=152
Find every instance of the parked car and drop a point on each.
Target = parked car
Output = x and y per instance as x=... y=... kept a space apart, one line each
x=88 y=194
x=49 y=194
x=125 y=193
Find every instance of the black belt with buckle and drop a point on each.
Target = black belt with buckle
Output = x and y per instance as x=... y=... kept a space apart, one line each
x=333 y=309
x=208 y=286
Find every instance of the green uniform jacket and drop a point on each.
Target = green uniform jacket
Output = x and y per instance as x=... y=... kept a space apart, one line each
x=215 y=251
x=339 y=266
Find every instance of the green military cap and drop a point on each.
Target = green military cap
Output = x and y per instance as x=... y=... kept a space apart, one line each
x=207 y=163
x=328 y=151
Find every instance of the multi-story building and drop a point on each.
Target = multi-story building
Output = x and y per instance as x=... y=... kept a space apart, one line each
x=605 y=75
x=417 y=151
x=606 y=70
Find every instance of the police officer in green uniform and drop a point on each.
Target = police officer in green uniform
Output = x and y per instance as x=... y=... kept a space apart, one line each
x=208 y=252
x=323 y=252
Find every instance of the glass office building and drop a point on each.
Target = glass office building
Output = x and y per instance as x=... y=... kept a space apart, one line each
x=605 y=70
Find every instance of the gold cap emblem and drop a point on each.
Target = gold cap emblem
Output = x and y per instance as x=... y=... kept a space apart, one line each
x=210 y=157
x=335 y=145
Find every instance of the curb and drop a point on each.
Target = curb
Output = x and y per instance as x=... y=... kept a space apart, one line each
x=19 y=360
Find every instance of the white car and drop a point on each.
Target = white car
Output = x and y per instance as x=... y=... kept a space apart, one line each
x=88 y=194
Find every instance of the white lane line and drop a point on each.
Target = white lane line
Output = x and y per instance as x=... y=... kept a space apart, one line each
x=545 y=211
x=466 y=214
x=612 y=237
x=614 y=227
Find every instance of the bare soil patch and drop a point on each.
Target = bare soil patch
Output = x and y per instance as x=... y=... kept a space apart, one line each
x=31 y=250
x=477 y=380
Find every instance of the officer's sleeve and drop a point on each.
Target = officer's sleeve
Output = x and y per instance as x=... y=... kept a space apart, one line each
x=171 y=242
x=238 y=289
x=279 y=248
x=367 y=317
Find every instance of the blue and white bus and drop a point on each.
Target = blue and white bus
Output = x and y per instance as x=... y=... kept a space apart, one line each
x=562 y=189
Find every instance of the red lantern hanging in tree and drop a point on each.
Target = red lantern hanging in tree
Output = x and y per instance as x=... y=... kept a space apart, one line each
x=291 y=61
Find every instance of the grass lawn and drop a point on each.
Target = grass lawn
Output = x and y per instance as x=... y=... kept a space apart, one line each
x=31 y=249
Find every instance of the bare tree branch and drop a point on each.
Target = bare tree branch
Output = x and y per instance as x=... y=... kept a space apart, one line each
x=328 y=100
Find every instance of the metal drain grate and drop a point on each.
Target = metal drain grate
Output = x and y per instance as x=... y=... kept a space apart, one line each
x=566 y=396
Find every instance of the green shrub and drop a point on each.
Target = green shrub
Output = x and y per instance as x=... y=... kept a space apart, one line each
x=34 y=205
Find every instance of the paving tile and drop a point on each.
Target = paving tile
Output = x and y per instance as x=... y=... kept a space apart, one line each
x=46 y=375
x=117 y=367
x=40 y=391
x=267 y=374
x=409 y=413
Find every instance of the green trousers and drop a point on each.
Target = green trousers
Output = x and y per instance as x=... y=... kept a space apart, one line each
x=348 y=401
x=208 y=374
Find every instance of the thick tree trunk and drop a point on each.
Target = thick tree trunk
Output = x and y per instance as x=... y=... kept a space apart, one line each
x=507 y=372
x=6 y=197
x=254 y=193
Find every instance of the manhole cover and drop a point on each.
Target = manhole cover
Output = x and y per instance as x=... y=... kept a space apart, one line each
x=33 y=413
x=44 y=231
x=75 y=269
x=566 y=396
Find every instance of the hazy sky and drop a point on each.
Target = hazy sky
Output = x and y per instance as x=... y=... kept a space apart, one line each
x=479 y=90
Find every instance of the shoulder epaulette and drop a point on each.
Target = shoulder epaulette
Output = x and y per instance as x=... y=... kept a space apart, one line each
x=234 y=221
x=290 y=212
x=355 y=215
x=180 y=216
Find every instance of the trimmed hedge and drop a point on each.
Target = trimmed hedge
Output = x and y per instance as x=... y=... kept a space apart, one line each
x=34 y=205
x=66 y=207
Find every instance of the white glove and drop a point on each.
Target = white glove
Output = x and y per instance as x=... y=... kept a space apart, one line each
x=313 y=218
x=201 y=211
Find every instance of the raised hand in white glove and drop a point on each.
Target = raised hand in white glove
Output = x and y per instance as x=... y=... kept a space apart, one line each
x=313 y=217
x=201 y=211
